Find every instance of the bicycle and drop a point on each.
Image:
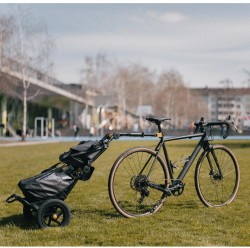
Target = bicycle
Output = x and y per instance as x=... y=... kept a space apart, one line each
x=141 y=179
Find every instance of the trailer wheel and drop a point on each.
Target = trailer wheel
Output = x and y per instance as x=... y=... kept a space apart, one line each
x=28 y=213
x=53 y=213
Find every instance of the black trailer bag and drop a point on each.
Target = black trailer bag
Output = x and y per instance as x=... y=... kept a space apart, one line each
x=85 y=153
x=51 y=183
x=81 y=157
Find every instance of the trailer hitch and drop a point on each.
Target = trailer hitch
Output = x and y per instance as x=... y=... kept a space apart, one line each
x=15 y=197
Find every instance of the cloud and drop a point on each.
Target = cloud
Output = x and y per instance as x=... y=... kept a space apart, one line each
x=211 y=42
x=204 y=52
x=168 y=17
x=136 y=19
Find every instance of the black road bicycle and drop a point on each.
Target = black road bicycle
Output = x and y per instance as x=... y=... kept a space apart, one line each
x=141 y=179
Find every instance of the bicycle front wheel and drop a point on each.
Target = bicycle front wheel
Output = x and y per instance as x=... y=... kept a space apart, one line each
x=129 y=181
x=217 y=177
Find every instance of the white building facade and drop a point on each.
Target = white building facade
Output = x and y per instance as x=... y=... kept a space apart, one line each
x=222 y=102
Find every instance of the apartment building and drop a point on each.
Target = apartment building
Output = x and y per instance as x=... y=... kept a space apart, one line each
x=222 y=102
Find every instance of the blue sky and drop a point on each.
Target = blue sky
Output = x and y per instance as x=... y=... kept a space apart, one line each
x=206 y=43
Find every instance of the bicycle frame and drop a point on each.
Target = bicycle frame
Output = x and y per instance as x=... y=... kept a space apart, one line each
x=203 y=143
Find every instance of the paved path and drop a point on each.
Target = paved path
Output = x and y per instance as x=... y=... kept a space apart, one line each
x=26 y=143
x=7 y=142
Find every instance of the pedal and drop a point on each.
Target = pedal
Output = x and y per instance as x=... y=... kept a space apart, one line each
x=177 y=189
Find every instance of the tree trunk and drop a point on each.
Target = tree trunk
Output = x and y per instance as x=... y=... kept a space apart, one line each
x=24 y=114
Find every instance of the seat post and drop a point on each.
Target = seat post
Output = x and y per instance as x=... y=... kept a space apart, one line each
x=159 y=127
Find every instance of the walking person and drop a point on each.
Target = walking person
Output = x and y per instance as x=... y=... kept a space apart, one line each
x=76 y=130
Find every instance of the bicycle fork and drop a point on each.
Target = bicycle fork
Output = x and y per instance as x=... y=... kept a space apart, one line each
x=213 y=173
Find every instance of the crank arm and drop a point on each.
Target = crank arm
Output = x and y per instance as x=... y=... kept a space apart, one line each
x=160 y=188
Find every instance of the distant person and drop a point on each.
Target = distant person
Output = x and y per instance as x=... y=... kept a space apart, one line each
x=135 y=127
x=58 y=133
x=191 y=127
x=92 y=131
x=76 y=130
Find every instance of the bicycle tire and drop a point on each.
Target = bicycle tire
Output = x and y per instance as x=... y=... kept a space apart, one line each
x=128 y=188
x=212 y=189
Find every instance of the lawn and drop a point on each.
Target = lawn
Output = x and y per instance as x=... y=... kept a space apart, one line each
x=182 y=221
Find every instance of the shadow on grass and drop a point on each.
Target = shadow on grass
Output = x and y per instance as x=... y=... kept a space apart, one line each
x=18 y=221
x=100 y=212
x=190 y=204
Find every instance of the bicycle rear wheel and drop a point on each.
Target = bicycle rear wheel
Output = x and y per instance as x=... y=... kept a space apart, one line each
x=129 y=189
x=217 y=183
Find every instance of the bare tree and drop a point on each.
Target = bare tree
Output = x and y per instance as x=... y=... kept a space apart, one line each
x=171 y=97
x=196 y=107
x=134 y=85
x=5 y=34
x=6 y=31
x=247 y=72
x=96 y=72
x=30 y=51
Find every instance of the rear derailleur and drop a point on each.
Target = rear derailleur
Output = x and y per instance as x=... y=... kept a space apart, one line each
x=140 y=184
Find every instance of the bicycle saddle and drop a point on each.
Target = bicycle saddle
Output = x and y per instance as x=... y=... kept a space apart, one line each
x=157 y=120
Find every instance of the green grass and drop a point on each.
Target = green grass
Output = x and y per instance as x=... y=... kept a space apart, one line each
x=182 y=221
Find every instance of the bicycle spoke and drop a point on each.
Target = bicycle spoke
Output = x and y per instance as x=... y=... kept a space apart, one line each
x=130 y=193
